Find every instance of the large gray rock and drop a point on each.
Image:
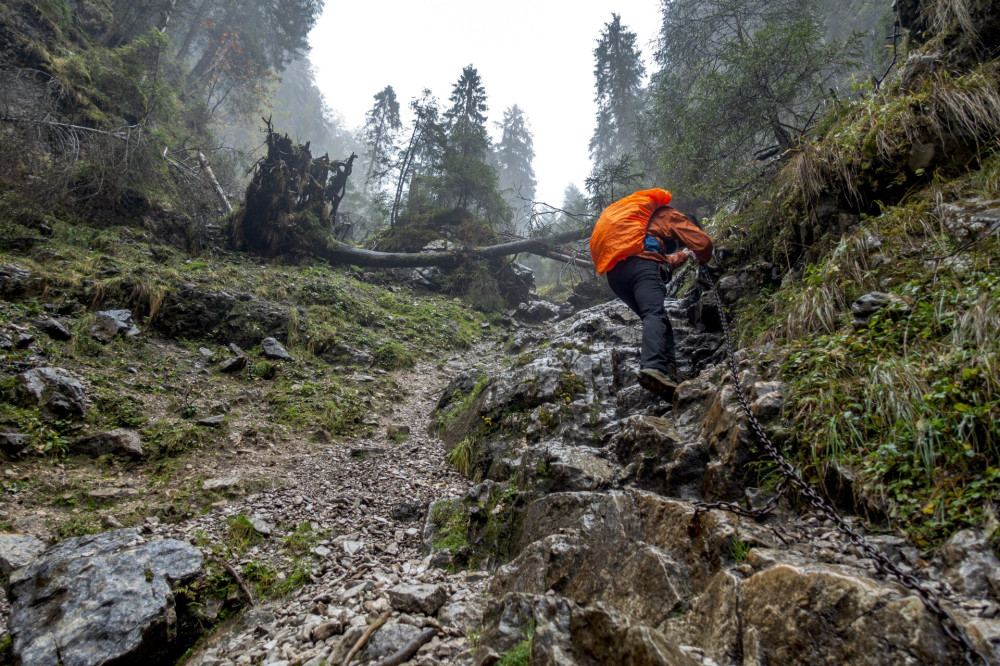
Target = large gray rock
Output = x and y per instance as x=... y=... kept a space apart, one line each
x=14 y=281
x=426 y=599
x=57 y=392
x=119 y=441
x=13 y=443
x=553 y=467
x=537 y=311
x=971 y=565
x=109 y=324
x=54 y=328
x=869 y=305
x=193 y=312
x=970 y=219
x=389 y=639
x=273 y=349
x=17 y=550
x=566 y=634
x=105 y=598
x=822 y=614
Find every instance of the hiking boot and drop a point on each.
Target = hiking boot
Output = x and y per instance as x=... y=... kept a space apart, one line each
x=658 y=382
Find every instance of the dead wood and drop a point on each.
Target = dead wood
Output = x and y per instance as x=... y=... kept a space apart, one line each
x=369 y=632
x=404 y=654
x=236 y=576
x=291 y=204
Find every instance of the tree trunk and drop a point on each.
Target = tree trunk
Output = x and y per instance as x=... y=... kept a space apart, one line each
x=192 y=31
x=339 y=253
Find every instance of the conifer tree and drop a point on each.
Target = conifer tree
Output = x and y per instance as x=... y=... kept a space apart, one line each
x=738 y=79
x=618 y=73
x=382 y=125
x=422 y=154
x=468 y=180
x=515 y=173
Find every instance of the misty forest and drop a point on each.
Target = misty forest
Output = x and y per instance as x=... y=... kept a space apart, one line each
x=276 y=390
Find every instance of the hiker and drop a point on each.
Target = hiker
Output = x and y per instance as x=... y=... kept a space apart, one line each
x=638 y=242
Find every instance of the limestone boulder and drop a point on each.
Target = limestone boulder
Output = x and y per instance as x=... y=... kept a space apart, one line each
x=120 y=441
x=970 y=565
x=105 y=598
x=565 y=633
x=59 y=394
x=554 y=467
x=813 y=613
x=109 y=324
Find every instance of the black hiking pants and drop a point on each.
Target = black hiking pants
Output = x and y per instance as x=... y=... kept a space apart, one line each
x=637 y=282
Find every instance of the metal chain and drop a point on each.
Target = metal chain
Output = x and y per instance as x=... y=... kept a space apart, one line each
x=792 y=478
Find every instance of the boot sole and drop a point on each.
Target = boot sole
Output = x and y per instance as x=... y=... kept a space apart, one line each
x=665 y=391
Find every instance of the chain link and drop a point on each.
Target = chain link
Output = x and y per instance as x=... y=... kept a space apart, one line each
x=792 y=478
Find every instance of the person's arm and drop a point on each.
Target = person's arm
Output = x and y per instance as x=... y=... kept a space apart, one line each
x=692 y=237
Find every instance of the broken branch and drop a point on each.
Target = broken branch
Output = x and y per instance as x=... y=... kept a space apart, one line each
x=365 y=636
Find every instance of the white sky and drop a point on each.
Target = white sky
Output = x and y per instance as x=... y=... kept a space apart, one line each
x=537 y=54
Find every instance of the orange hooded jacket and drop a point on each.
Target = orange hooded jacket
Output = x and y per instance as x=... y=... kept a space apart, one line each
x=623 y=225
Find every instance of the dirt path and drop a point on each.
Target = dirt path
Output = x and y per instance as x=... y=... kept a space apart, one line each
x=367 y=499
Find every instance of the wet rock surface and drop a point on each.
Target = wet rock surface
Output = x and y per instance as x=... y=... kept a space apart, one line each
x=594 y=481
x=578 y=545
x=96 y=599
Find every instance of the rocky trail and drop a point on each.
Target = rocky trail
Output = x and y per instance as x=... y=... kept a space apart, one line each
x=368 y=497
x=574 y=547
x=359 y=506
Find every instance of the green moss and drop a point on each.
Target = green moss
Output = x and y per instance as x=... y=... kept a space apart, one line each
x=264 y=370
x=392 y=355
x=80 y=525
x=451 y=519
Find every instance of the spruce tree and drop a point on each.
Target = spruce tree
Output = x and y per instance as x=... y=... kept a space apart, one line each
x=516 y=175
x=738 y=79
x=382 y=125
x=468 y=180
x=618 y=74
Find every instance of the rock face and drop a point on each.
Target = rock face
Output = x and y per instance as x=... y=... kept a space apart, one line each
x=587 y=513
x=99 y=599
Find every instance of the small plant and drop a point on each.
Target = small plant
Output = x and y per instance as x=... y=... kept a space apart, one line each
x=462 y=456
x=240 y=533
x=303 y=539
x=452 y=520
x=739 y=550
x=520 y=654
x=261 y=575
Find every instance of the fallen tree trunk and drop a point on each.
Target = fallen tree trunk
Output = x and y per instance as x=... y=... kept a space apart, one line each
x=292 y=200
x=336 y=252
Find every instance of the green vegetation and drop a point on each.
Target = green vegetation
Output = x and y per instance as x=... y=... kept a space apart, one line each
x=520 y=654
x=477 y=532
x=909 y=404
x=240 y=534
x=303 y=539
x=458 y=403
x=739 y=550
x=451 y=519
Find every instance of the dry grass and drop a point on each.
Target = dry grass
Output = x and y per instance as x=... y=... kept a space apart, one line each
x=945 y=13
x=969 y=108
